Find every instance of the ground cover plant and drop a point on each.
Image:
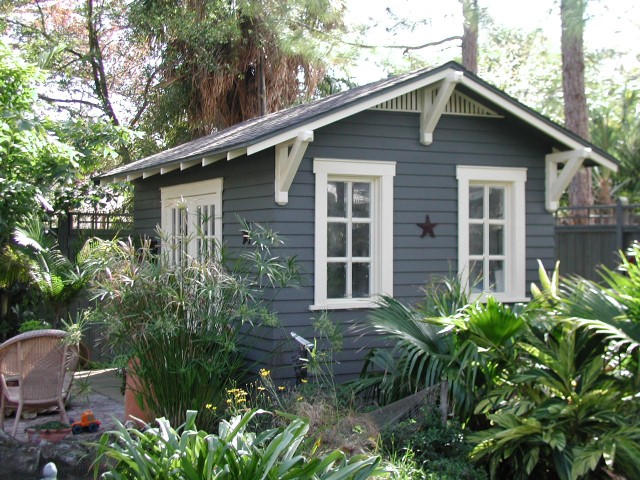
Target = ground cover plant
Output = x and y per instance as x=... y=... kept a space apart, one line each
x=431 y=449
x=164 y=452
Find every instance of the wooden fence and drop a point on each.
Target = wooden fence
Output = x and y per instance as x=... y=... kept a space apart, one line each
x=588 y=237
x=75 y=228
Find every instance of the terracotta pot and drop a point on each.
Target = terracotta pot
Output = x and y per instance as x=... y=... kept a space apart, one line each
x=131 y=408
x=53 y=436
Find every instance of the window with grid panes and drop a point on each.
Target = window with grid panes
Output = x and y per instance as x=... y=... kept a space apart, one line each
x=492 y=231
x=354 y=232
x=192 y=219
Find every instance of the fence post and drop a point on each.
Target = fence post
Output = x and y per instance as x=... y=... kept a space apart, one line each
x=444 y=401
x=619 y=226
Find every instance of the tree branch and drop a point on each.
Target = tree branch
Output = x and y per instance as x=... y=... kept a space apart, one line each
x=97 y=66
x=145 y=96
x=407 y=47
x=69 y=100
x=45 y=35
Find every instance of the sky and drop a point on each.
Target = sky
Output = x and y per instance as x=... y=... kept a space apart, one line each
x=611 y=24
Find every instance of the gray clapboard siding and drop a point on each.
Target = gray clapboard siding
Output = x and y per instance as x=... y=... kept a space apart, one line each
x=425 y=183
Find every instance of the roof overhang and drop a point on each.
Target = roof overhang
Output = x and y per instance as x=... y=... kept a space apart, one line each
x=288 y=136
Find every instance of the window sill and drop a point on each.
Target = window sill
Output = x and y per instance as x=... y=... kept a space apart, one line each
x=345 y=305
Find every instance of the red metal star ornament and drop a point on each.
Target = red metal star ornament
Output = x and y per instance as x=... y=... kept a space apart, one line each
x=427 y=227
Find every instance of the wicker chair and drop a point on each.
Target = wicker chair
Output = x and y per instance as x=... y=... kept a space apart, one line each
x=36 y=370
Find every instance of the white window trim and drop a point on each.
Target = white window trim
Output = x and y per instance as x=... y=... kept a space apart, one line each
x=515 y=244
x=190 y=192
x=381 y=174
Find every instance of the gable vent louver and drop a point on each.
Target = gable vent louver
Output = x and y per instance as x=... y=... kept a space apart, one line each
x=459 y=104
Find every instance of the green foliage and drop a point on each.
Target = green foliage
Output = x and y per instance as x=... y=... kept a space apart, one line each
x=214 y=55
x=568 y=408
x=187 y=323
x=422 y=353
x=550 y=389
x=440 y=451
x=33 y=161
x=58 y=279
x=163 y=452
x=31 y=325
x=472 y=349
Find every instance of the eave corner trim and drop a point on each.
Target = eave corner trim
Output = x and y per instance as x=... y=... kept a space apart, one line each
x=556 y=183
x=287 y=163
x=430 y=114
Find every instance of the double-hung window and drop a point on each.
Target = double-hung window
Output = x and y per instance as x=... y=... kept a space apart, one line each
x=353 y=232
x=491 y=231
x=192 y=219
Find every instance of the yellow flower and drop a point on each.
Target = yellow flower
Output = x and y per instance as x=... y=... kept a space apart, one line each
x=208 y=405
x=229 y=401
x=261 y=388
x=264 y=372
x=281 y=388
x=299 y=399
x=304 y=380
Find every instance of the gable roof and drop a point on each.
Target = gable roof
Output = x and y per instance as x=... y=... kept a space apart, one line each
x=264 y=132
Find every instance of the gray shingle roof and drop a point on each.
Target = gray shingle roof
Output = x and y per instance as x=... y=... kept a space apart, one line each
x=258 y=129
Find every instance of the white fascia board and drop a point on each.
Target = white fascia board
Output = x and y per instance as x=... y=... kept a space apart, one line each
x=535 y=122
x=347 y=112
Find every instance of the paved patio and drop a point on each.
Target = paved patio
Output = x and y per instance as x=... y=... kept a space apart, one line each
x=105 y=400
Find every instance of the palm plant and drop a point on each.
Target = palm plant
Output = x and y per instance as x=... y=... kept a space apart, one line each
x=611 y=314
x=467 y=345
x=569 y=408
x=57 y=278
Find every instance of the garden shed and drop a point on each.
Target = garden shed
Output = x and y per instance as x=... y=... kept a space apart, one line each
x=375 y=190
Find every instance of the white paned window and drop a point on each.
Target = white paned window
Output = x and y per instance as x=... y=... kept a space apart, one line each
x=192 y=219
x=492 y=231
x=353 y=232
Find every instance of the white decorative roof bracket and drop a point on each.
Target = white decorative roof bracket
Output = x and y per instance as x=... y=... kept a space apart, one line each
x=238 y=152
x=150 y=173
x=169 y=168
x=556 y=183
x=430 y=114
x=209 y=159
x=287 y=163
x=189 y=163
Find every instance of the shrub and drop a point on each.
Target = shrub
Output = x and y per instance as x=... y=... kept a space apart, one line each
x=186 y=323
x=31 y=325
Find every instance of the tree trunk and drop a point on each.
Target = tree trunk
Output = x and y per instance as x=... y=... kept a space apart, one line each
x=262 y=87
x=575 y=101
x=470 y=35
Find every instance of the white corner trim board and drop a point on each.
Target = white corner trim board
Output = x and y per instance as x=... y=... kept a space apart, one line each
x=287 y=163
